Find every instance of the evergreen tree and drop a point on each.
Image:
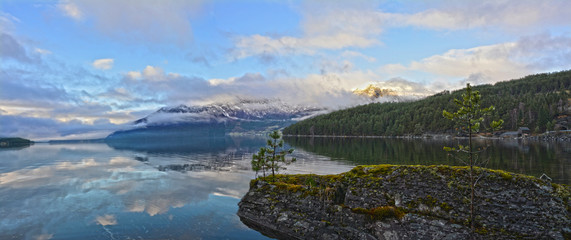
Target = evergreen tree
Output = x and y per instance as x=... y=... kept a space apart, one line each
x=259 y=161
x=470 y=115
x=272 y=157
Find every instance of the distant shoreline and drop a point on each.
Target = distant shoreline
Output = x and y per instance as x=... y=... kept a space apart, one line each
x=564 y=136
x=98 y=140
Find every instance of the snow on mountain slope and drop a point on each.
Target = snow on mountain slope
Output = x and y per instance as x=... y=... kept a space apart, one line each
x=240 y=110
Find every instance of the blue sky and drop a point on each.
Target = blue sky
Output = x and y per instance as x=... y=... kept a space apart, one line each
x=76 y=69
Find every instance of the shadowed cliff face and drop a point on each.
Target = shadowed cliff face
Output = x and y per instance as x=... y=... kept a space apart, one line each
x=406 y=202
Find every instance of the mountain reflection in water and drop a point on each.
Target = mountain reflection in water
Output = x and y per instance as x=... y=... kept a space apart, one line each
x=93 y=191
x=189 y=188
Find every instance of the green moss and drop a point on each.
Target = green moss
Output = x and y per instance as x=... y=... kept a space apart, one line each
x=561 y=190
x=380 y=213
x=310 y=181
x=564 y=192
x=503 y=174
x=390 y=201
x=430 y=201
x=253 y=183
x=412 y=205
x=450 y=183
x=481 y=230
x=371 y=177
x=327 y=223
x=356 y=172
x=384 y=169
x=445 y=206
x=288 y=187
x=331 y=178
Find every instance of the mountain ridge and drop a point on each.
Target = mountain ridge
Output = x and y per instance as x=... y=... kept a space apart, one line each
x=173 y=125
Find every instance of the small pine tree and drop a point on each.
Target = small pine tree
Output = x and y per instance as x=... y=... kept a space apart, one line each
x=272 y=157
x=259 y=161
x=469 y=116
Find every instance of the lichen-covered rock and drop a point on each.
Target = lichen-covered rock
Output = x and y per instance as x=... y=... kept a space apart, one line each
x=407 y=202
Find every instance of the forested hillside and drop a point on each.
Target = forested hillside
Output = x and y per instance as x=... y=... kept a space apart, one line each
x=541 y=102
x=14 y=142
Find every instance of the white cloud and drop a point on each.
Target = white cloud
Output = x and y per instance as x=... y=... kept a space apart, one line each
x=70 y=9
x=246 y=46
x=356 y=18
x=218 y=81
x=133 y=75
x=493 y=63
x=7 y=22
x=13 y=49
x=341 y=25
x=42 y=51
x=247 y=78
x=151 y=74
x=44 y=236
x=103 y=64
x=330 y=28
x=137 y=21
x=106 y=220
x=154 y=73
x=354 y=54
x=393 y=69
x=492 y=60
x=508 y=15
x=326 y=90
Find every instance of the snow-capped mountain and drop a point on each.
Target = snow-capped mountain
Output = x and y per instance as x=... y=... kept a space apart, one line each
x=198 y=126
x=241 y=110
x=393 y=91
x=375 y=92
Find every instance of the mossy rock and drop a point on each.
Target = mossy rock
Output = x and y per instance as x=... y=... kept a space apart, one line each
x=400 y=198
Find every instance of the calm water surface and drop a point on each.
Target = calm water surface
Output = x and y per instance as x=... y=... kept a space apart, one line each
x=191 y=190
x=519 y=156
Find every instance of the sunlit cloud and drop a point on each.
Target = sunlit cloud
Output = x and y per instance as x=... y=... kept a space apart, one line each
x=354 y=54
x=103 y=64
x=326 y=29
x=134 y=75
x=246 y=79
x=493 y=63
x=509 y=16
x=45 y=236
x=263 y=45
x=358 y=25
x=188 y=52
x=70 y=9
x=42 y=51
x=106 y=220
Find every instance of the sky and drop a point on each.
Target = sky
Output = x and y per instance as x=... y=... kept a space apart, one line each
x=82 y=69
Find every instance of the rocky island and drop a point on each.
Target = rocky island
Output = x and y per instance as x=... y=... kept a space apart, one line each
x=407 y=202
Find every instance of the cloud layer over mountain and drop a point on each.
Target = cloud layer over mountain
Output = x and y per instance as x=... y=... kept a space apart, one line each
x=83 y=68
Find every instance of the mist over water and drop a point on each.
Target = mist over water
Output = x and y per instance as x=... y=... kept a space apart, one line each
x=191 y=190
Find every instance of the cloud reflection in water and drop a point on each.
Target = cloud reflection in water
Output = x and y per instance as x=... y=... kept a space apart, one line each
x=110 y=189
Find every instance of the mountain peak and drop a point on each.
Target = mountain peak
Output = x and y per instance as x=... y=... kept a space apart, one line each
x=372 y=91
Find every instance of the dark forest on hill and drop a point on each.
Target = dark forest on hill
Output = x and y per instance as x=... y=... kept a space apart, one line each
x=541 y=102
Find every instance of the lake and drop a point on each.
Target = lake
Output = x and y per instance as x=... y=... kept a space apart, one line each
x=190 y=190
